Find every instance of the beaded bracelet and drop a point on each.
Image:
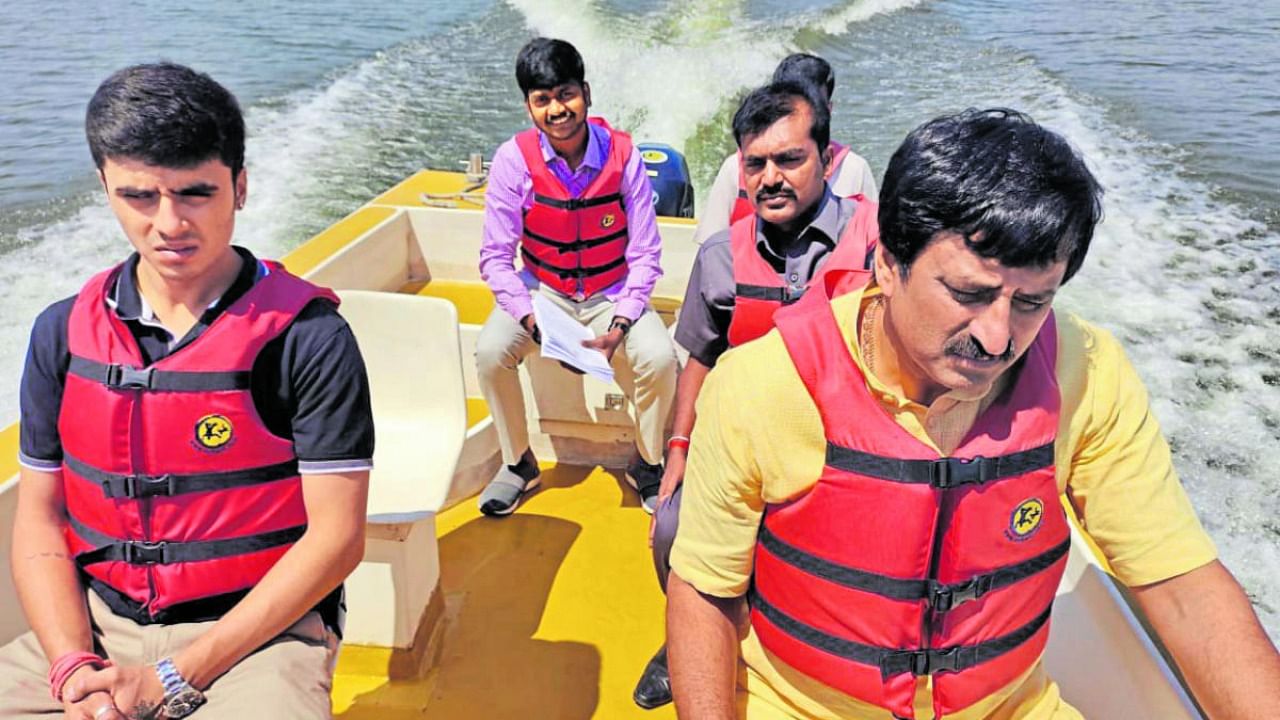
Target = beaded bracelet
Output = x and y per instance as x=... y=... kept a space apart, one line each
x=64 y=667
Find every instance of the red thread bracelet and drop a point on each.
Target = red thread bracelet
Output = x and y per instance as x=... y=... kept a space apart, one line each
x=678 y=441
x=64 y=667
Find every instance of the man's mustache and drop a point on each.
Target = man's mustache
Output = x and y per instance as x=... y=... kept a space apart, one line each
x=773 y=192
x=970 y=349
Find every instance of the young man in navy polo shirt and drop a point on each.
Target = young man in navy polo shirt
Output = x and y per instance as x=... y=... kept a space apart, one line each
x=196 y=446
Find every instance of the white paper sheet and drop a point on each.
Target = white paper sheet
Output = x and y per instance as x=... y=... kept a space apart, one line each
x=562 y=338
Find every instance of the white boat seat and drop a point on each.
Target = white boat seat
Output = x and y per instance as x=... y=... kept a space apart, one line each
x=411 y=349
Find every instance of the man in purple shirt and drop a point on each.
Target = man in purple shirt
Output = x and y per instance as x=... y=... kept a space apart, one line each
x=573 y=199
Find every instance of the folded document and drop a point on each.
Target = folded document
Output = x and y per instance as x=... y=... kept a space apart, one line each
x=562 y=338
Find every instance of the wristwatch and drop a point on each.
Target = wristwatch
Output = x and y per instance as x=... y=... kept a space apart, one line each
x=180 y=699
x=621 y=324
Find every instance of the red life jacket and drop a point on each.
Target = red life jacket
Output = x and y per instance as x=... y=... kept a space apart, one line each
x=900 y=563
x=176 y=490
x=742 y=207
x=759 y=292
x=576 y=244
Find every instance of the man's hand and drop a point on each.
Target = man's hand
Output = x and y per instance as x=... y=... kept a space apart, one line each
x=134 y=689
x=607 y=343
x=672 y=476
x=94 y=706
x=97 y=706
x=674 y=473
x=530 y=325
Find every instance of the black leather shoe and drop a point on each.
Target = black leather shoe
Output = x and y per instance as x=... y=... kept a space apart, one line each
x=654 y=688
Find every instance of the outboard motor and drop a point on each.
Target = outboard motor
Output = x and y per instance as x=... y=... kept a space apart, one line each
x=669 y=175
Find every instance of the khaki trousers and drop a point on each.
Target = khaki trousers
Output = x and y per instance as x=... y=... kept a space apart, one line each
x=289 y=678
x=644 y=366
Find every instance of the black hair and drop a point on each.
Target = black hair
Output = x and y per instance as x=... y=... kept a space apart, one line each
x=770 y=103
x=166 y=115
x=544 y=63
x=805 y=68
x=1016 y=191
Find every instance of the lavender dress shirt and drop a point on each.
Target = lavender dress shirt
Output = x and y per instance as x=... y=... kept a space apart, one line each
x=510 y=193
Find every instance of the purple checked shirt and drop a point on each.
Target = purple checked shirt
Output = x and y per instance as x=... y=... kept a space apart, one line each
x=510 y=193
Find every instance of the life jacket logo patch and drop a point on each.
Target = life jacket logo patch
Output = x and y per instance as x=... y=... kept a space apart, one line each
x=1025 y=519
x=213 y=433
x=608 y=220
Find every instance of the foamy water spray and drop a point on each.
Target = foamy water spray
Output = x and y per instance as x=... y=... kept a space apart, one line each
x=1187 y=283
x=664 y=74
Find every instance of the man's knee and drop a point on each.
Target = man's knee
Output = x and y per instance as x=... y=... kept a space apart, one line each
x=654 y=355
x=24 y=687
x=498 y=345
x=666 y=522
x=290 y=678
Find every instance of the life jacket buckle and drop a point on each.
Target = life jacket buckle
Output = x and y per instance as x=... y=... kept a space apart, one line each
x=144 y=486
x=952 y=472
x=944 y=660
x=124 y=377
x=137 y=552
x=944 y=598
x=792 y=294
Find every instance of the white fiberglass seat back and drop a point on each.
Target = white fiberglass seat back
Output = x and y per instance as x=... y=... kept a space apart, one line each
x=411 y=350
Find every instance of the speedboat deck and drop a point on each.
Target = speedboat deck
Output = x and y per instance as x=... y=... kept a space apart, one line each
x=551 y=612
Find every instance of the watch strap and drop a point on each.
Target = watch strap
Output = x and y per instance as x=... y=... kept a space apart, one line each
x=170 y=678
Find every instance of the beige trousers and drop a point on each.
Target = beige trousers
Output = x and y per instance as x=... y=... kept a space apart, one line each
x=644 y=367
x=289 y=678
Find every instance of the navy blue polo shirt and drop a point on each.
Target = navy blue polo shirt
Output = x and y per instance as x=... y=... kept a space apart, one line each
x=309 y=384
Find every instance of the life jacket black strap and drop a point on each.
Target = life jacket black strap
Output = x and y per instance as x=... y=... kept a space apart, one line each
x=577 y=203
x=941 y=597
x=332 y=608
x=572 y=273
x=576 y=245
x=742 y=193
x=784 y=295
x=124 y=377
x=115 y=485
x=959 y=657
x=943 y=473
x=893 y=662
x=138 y=552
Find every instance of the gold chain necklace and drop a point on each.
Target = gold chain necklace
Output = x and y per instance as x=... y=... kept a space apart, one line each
x=867 y=339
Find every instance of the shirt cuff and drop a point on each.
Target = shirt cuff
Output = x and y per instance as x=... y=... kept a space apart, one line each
x=629 y=308
x=39 y=465
x=332 y=467
x=518 y=307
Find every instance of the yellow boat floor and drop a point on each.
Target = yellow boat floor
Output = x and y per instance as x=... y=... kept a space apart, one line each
x=551 y=612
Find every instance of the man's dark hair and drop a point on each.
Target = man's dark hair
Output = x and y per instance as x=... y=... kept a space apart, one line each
x=767 y=105
x=803 y=68
x=544 y=63
x=1016 y=191
x=166 y=115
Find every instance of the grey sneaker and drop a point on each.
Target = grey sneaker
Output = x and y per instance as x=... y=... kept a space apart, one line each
x=646 y=479
x=509 y=486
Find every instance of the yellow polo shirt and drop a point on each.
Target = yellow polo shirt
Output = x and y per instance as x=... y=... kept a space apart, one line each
x=759 y=440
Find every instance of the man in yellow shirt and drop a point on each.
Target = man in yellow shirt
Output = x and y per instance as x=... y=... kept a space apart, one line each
x=984 y=216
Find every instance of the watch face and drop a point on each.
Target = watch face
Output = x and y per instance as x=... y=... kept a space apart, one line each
x=183 y=703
